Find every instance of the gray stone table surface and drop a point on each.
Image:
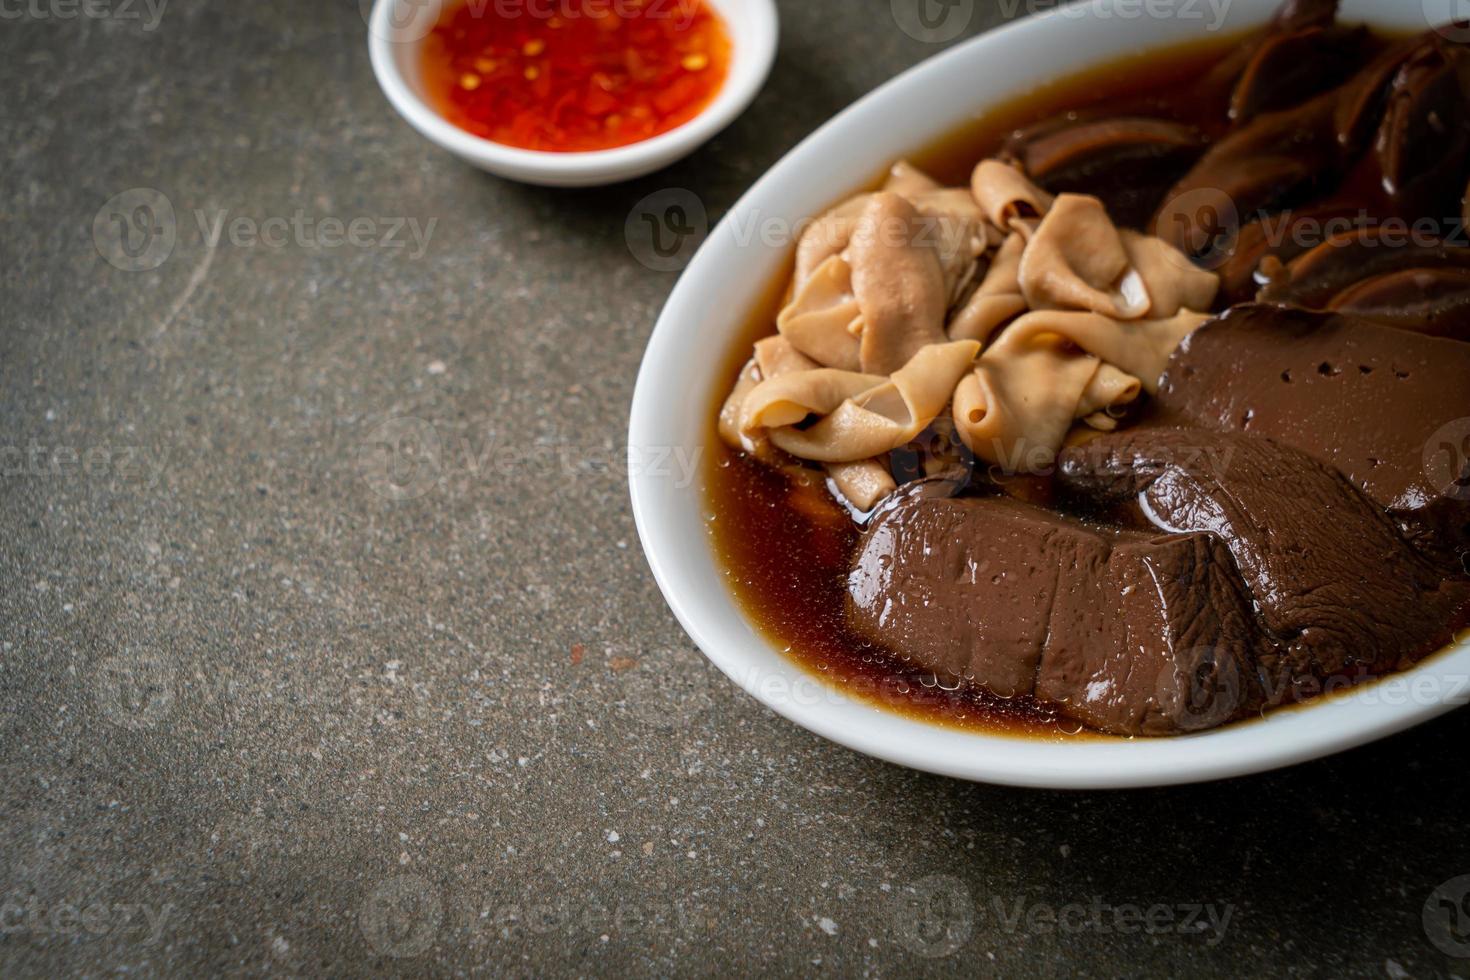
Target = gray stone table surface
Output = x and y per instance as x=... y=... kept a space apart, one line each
x=259 y=716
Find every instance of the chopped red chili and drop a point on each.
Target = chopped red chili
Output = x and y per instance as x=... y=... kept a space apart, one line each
x=574 y=75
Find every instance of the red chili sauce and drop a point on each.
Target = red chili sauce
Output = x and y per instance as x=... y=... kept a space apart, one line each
x=574 y=75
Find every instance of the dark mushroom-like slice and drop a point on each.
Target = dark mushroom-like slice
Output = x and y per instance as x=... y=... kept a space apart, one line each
x=1293 y=17
x=1075 y=151
x=1434 y=301
x=1278 y=238
x=1276 y=161
x=1127 y=161
x=1360 y=101
x=1358 y=271
x=1270 y=164
x=1424 y=138
x=1416 y=94
x=1343 y=260
x=1290 y=67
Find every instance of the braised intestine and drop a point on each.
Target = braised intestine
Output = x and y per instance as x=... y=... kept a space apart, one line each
x=997 y=300
x=863 y=482
x=1020 y=314
x=1004 y=194
x=858 y=416
x=899 y=279
x=1052 y=368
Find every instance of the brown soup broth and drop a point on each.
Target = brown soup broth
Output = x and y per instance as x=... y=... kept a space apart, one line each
x=786 y=550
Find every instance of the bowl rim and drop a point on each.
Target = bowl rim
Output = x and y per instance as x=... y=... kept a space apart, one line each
x=749 y=67
x=1330 y=723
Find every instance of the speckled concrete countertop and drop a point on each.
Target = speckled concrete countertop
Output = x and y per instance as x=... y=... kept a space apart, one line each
x=258 y=716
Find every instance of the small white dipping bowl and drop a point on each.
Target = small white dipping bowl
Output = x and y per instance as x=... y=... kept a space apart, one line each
x=397 y=28
x=690 y=345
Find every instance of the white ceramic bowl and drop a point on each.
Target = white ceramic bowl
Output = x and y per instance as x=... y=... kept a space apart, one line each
x=682 y=367
x=396 y=29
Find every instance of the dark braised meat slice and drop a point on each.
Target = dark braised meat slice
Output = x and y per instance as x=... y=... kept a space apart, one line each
x=1282 y=237
x=1335 y=586
x=1370 y=400
x=1423 y=140
x=1128 y=632
x=1292 y=17
x=1278 y=160
x=1289 y=67
x=1300 y=110
x=1382 y=274
x=1128 y=161
x=1157 y=640
x=1410 y=106
x=964 y=586
x=1251 y=574
x=1425 y=300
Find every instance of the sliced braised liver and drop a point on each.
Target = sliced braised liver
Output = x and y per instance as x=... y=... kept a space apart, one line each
x=1248 y=574
x=932 y=574
x=1362 y=397
x=1128 y=632
x=1158 y=639
x=1335 y=585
